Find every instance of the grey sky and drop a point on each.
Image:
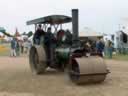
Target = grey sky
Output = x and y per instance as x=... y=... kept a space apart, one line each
x=100 y=15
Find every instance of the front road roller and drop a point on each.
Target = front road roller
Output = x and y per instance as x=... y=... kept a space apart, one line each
x=85 y=70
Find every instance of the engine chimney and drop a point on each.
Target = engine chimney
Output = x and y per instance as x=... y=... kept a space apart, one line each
x=75 y=24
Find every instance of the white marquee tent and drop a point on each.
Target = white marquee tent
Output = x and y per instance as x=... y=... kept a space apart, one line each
x=87 y=32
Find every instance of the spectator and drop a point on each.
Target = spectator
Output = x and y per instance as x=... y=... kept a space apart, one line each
x=25 y=46
x=87 y=48
x=106 y=47
x=20 y=46
x=17 y=48
x=100 y=47
x=13 y=47
x=110 y=49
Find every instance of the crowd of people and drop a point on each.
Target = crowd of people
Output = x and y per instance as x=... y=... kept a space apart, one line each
x=100 y=47
x=51 y=38
x=19 y=47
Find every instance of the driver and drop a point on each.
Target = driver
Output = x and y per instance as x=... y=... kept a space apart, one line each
x=49 y=41
x=37 y=36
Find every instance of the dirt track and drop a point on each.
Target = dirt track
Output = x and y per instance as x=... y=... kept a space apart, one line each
x=16 y=80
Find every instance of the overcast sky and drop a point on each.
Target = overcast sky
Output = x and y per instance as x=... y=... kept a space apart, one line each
x=100 y=15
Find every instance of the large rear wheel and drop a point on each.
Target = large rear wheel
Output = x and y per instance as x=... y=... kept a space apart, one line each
x=37 y=66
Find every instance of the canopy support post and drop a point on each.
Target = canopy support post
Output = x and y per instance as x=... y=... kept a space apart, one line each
x=60 y=26
x=35 y=27
x=56 y=27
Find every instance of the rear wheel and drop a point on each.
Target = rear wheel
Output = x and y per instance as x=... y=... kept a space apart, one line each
x=37 y=66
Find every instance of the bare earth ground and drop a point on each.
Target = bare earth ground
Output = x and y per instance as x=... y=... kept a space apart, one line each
x=16 y=80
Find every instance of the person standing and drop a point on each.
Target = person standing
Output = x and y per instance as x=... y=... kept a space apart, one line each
x=100 y=47
x=17 y=48
x=106 y=47
x=87 y=48
x=110 y=49
x=13 y=47
x=37 y=36
x=49 y=46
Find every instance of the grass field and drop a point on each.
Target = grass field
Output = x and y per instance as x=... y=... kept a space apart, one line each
x=4 y=49
x=120 y=57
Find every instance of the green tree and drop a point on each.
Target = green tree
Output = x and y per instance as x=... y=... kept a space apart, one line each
x=29 y=34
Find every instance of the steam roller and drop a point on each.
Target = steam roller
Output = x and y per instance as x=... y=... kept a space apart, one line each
x=66 y=52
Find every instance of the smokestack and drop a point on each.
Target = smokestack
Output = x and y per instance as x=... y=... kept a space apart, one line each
x=75 y=24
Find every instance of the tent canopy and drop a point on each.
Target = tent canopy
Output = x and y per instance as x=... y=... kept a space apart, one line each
x=87 y=32
x=2 y=29
x=125 y=31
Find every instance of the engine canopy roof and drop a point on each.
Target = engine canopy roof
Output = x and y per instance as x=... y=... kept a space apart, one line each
x=51 y=19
